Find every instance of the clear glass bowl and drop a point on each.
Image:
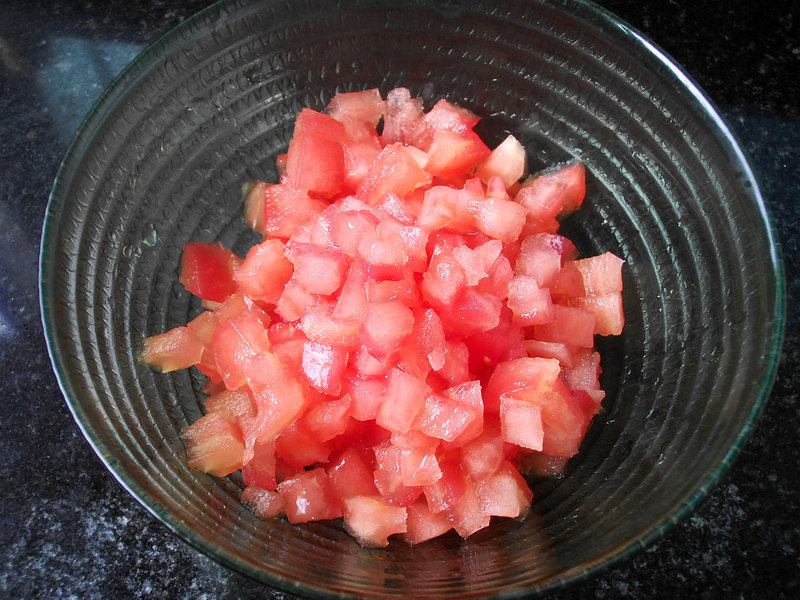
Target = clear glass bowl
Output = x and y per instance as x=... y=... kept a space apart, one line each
x=161 y=159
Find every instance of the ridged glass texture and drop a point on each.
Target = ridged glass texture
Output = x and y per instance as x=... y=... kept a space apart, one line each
x=160 y=162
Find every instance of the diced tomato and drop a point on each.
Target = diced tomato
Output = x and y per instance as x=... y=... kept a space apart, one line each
x=263 y=503
x=530 y=303
x=388 y=478
x=207 y=270
x=504 y=493
x=402 y=117
x=404 y=326
x=309 y=496
x=254 y=204
x=365 y=106
x=351 y=472
x=396 y=171
x=573 y=176
x=423 y=525
x=300 y=448
x=607 y=310
x=569 y=326
x=601 y=274
x=466 y=515
x=236 y=402
x=386 y=326
x=371 y=520
x=214 y=444
x=178 y=348
x=315 y=161
x=529 y=377
x=259 y=471
x=403 y=400
x=265 y=271
x=235 y=343
x=454 y=155
x=286 y=208
x=507 y=161
x=328 y=419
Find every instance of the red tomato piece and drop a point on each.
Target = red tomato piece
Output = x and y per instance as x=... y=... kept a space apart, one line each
x=207 y=270
x=234 y=345
x=351 y=472
x=601 y=274
x=260 y=469
x=530 y=378
x=366 y=107
x=299 y=448
x=402 y=117
x=310 y=497
x=570 y=326
x=315 y=161
x=609 y=318
x=287 y=208
x=521 y=422
x=318 y=269
x=396 y=171
x=530 y=304
x=328 y=419
x=324 y=366
x=264 y=272
x=454 y=155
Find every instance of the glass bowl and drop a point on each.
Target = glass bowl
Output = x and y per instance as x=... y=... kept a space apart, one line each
x=161 y=159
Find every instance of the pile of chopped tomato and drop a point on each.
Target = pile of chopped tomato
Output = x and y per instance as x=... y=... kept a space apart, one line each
x=411 y=334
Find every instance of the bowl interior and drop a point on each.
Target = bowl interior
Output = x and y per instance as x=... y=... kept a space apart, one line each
x=160 y=162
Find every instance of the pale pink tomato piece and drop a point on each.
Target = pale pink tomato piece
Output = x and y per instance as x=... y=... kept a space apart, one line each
x=389 y=479
x=570 y=325
x=309 y=496
x=263 y=503
x=214 y=444
x=507 y=161
x=178 y=348
x=403 y=399
x=423 y=525
x=504 y=493
x=371 y=520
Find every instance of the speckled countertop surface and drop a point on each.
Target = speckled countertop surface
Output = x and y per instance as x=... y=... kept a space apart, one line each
x=69 y=530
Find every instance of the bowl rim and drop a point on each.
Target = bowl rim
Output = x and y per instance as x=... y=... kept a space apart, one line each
x=586 y=10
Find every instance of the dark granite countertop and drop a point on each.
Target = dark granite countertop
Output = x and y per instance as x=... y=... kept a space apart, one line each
x=69 y=530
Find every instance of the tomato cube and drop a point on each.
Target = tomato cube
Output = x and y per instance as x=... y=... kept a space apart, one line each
x=214 y=444
x=207 y=270
x=264 y=272
x=371 y=520
x=178 y=348
x=263 y=503
x=309 y=496
x=315 y=161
